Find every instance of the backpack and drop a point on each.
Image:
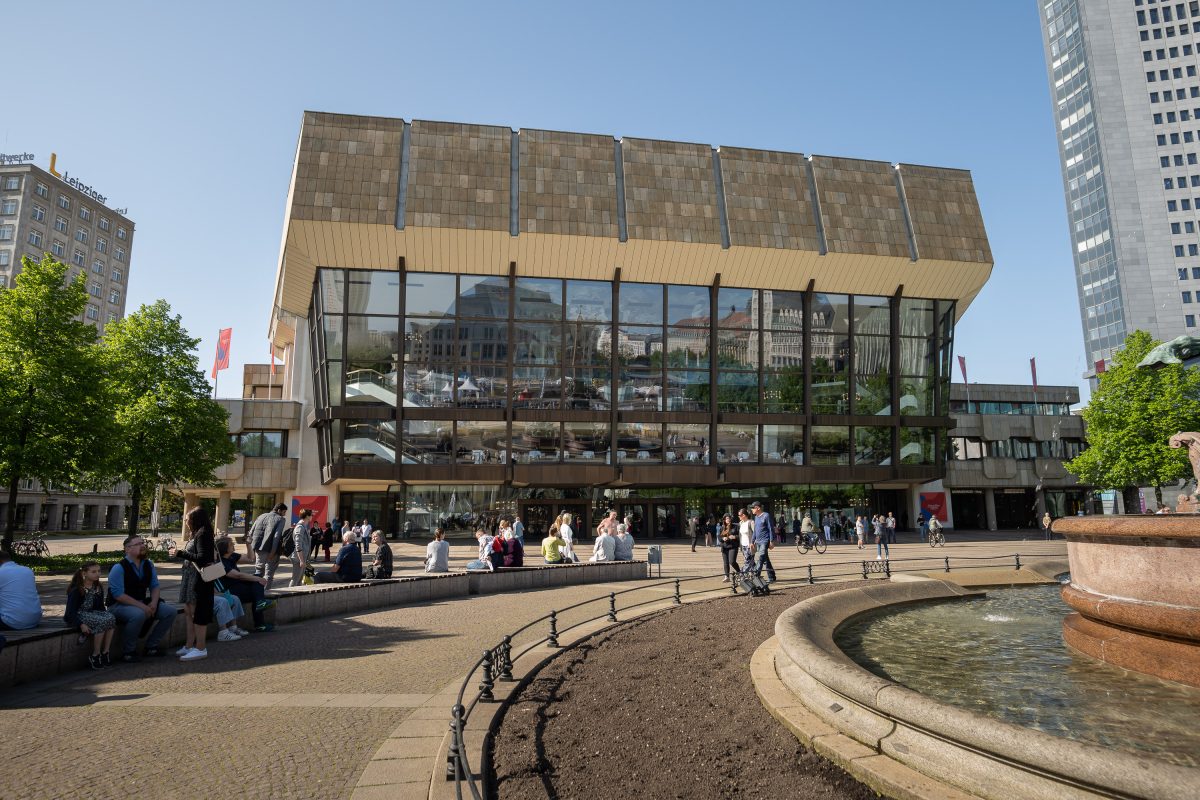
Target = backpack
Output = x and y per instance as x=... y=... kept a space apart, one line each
x=288 y=545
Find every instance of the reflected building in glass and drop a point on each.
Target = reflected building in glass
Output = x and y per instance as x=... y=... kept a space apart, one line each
x=482 y=321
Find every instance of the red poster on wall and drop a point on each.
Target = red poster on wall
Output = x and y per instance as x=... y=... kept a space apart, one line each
x=934 y=504
x=319 y=503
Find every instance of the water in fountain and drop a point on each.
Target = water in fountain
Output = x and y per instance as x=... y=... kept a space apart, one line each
x=1003 y=656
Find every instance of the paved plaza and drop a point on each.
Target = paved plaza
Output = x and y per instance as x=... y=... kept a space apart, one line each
x=301 y=711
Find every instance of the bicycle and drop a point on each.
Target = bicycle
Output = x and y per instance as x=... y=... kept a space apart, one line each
x=31 y=547
x=937 y=539
x=810 y=541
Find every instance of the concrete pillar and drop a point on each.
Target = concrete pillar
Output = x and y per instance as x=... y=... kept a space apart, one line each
x=221 y=523
x=116 y=517
x=989 y=507
x=1041 y=504
x=190 y=501
x=74 y=517
x=33 y=515
x=53 y=515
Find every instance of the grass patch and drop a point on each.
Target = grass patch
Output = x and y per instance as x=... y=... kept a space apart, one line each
x=67 y=563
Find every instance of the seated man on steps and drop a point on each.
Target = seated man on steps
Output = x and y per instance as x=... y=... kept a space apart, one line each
x=250 y=589
x=20 y=606
x=347 y=567
x=133 y=598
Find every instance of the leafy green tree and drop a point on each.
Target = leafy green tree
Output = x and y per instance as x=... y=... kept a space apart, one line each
x=54 y=411
x=170 y=431
x=1130 y=418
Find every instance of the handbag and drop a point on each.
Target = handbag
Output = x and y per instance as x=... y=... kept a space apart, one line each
x=214 y=571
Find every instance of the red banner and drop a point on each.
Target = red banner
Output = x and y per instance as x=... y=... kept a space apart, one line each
x=318 y=503
x=1033 y=369
x=962 y=365
x=1100 y=366
x=934 y=504
x=222 y=360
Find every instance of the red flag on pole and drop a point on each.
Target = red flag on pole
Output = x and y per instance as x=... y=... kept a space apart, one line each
x=962 y=365
x=222 y=360
x=1033 y=369
x=272 y=348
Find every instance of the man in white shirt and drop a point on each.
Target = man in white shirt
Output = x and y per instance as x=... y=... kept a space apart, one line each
x=20 y=606
x=366 y=536
x=890 y=528
x=605 y=548
x=437 y=553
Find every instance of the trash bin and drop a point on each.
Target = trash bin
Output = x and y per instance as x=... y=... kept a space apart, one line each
x=654 y=556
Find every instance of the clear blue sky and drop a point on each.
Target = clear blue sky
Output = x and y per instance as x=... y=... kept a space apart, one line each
x=188 y=114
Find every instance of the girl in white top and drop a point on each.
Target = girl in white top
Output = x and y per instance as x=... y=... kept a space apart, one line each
x=567 y=535
x=745 y=531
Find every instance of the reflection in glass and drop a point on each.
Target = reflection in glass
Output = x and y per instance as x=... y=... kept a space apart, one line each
x=333 y=377
x=737 y=391
x=737 y=349
x=331 y=326
x=918 y=445
x=333 y=291
x=539 y=298
x=737 y=444
x=783 y=348
x=482 y=442
x=686 y=305
x=590 y=301
x=687 y=348
x=916 y=317
x=687 y=444
x=873 y=394
x=426 y=441
x=589 y=390
x=784 y=310
x=783 y=444
x=687 y=390
x=369 y=441
x=483 y=296
x=872 y=315
x=830 y=445
x=916 y=397
x=872 y=446
x=639 y=388
x=830 y=374
x=586 y=441
x=374 y=292
x=372 y=355
x=641 y=303
x=917 y=356
x=636 y=342
x=872 y=355
x=830 y=314
x=537 y=387
x=737 y=308
x=588 y=344
x=481 y=387
x=640 y=442
x=535 y=442
x=429 y=294
x=783 y=391
x=537 y=343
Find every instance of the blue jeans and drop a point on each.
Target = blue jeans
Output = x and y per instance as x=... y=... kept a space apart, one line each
x=762 y=558
x=924 y=531
x=131 y=618
x=882 y=548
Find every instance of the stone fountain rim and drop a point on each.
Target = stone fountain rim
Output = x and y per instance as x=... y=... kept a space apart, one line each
x=1014 y=756
x=1143 y=526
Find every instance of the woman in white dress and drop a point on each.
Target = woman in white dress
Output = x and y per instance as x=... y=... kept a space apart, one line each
x=563 y=523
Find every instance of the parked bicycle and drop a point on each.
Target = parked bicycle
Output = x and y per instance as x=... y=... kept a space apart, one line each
x=31 y=547
x=937 y=539
x=163 y=545
x=810 y=541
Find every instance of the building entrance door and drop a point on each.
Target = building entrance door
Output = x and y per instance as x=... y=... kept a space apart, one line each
x=638 y=511
x=667 y=520
x=537 y=515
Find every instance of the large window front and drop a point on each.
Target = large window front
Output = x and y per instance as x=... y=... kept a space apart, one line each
x=481 y=370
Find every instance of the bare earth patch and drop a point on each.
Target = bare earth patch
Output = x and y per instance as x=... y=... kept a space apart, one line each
x=663 y=707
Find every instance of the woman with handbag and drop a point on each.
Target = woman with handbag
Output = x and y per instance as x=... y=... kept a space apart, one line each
x=203 y=560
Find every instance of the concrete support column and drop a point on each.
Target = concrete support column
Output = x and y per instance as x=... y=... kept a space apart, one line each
x=989 y=508
x=74 y=517
x=1041 y=504
x=53 y=516
x=221 y=523
x=116 y=517
x=33 y=515
x=190 y=501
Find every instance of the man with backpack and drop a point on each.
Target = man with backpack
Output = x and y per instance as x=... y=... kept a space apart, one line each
x=266 y=539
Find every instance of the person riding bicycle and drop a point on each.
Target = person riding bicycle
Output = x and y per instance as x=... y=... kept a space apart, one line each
x=806 y=529
x=935 y=529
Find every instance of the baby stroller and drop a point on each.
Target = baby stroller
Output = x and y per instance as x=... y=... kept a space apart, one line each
x=747 y=581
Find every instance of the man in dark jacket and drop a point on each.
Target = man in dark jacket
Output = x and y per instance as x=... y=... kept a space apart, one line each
x=266 y=536
x=347 y=567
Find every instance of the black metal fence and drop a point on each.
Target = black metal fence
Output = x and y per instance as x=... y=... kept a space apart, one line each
x=496 y=663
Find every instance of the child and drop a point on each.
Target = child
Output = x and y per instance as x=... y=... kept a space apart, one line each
x=86 y=611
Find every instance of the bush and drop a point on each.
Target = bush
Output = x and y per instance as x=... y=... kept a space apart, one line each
x=67 y=563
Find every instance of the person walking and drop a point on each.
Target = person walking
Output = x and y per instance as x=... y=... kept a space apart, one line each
x=745 y=533
x=327 y=537
x=924 y=525
x=729 y=547
x=518 y=529
x=860 y=530
x=762 y=541
x=366 y=536
x=302 y=544
x=567 y=534
x=879 y=524
x=1046 y=523
x=87 y=614
x=205 y=554
x=266 y=537
x=694 y=530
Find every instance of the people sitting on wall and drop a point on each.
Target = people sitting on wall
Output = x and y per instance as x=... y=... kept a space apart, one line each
x=496 y=556
x=87 y=614
x=623 y=546
x=20 y=607
x=552 y=548
x=437 y=553
x=247 y=587
x=347 y=566
x=605 y=547
x=513 y=552
x=382 y=568
x=133 y=598
x=483 y=560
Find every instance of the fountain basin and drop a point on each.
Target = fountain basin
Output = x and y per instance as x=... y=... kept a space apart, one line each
x=1135 y=589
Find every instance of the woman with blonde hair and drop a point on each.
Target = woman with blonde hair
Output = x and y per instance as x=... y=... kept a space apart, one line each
x=563 y=525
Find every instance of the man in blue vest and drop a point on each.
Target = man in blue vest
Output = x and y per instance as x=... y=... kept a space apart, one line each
x=133 y=598
x=763 y=539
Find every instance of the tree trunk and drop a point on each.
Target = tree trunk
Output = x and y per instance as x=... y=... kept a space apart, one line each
x=135 y=509
x=1158 y=496
x=10 y=516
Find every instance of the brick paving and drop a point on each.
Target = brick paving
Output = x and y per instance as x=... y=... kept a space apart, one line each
x=250 y=698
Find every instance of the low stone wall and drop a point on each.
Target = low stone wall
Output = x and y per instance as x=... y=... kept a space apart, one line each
x=985 y=757
x=54 y=650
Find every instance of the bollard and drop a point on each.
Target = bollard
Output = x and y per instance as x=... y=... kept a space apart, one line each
x=887 y=568
x=612 y=606
x=485 y=686
x=553 y=641
x=678 y=599
x=95 y=549
x=1018 y=558
x=506 y=659
x=810 y=577
x=864 y=570
x=452 y=764
x=947 y=563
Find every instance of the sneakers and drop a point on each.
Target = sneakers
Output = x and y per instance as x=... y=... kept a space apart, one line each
x=879 y=558
x=227 y=635
x=130 y=658
x=183 y=651
x=267 y=628
x=263 y=605
x=194 y=655
x=240 y=631
x=105 y=659
x=95 y=662
x=725 y=579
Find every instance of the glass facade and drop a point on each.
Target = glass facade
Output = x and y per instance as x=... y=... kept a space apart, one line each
x=431 y=369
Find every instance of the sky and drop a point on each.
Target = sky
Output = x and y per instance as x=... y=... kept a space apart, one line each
x=188 y=114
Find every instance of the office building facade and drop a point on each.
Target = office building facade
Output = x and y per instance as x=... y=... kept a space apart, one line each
x=479 y=320
x=1126 y=94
